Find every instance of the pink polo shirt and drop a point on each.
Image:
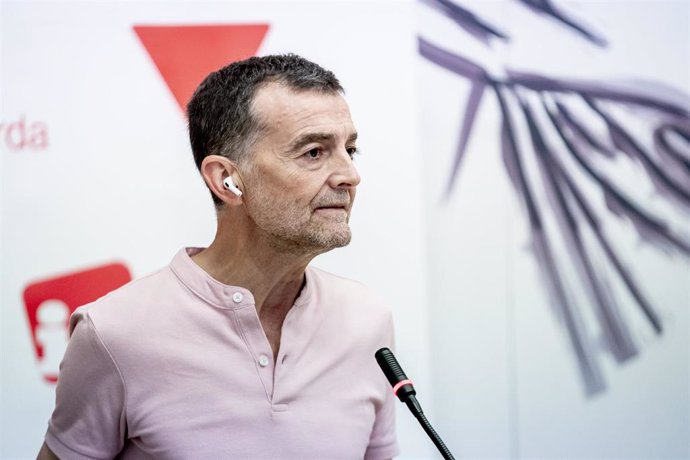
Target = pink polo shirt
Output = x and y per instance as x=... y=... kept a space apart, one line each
x=176 y=365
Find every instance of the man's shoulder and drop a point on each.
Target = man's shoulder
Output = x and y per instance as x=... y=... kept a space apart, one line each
x=325 y=276
x=352 y=311
x=131 y=300
x=142 y=287
x=327 y=280
x=346 y=289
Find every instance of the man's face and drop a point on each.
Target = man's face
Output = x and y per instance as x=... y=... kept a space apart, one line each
x=300 y=181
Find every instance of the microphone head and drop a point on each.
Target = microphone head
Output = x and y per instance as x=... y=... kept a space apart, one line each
x=402 y=386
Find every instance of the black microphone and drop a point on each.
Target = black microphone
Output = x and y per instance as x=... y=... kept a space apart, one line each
x=404 y=390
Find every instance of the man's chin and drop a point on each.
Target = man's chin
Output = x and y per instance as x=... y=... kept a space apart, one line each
x=342 y=242
x=336 y=240
x=328 y=239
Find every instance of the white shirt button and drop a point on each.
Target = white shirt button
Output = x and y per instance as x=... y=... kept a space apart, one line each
x=237 y=297
x=263 y=360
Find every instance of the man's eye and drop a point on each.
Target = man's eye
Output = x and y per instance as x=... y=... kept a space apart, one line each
x=352 y=151
x=314 y=154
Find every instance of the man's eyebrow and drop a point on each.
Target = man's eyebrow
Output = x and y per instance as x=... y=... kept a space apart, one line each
x=310 y=138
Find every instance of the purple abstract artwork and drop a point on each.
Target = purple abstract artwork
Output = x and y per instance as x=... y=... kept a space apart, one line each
x=547 y=121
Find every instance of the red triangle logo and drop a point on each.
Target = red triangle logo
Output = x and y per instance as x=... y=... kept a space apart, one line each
x=184 y=55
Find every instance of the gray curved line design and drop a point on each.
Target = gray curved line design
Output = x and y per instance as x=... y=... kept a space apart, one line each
x=543 y=104
x=478 y=28
x=549 y=9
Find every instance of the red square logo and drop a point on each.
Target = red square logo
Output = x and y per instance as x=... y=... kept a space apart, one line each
x=50 y=302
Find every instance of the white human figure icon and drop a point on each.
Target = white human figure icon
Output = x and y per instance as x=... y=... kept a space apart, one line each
x=52 y=335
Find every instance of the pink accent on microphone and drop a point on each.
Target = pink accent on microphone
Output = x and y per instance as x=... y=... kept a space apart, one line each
x=399 y=384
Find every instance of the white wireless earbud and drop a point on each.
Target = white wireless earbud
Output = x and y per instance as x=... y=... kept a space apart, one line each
x=230 y=185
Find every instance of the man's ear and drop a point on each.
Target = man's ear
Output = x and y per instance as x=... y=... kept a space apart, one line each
x=215 y=169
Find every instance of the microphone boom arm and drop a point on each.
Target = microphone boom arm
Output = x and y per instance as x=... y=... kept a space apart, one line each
x=403 y=389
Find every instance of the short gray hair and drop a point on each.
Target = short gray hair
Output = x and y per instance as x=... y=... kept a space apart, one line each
x=220 y=115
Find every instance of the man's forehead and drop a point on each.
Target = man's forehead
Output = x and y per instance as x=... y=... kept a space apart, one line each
x=277 y=106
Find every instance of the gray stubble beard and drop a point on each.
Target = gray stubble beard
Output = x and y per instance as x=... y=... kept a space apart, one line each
x=316 y=242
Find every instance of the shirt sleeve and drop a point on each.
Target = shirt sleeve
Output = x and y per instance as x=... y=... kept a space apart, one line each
x=382 y=443
x=89 y=417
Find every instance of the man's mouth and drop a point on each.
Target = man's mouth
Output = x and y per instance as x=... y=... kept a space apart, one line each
x=333 y=204
x=337 y=205
x=331 y=209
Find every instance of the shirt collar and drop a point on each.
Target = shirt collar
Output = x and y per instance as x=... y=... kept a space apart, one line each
x=223 y=295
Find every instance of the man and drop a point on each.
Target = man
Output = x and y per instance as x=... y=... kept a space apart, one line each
x=242 y=350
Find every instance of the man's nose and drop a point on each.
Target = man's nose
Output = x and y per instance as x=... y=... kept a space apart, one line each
x=344 y=174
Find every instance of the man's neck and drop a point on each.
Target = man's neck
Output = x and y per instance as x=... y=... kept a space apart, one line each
x=275 y=278
x=273 y=281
